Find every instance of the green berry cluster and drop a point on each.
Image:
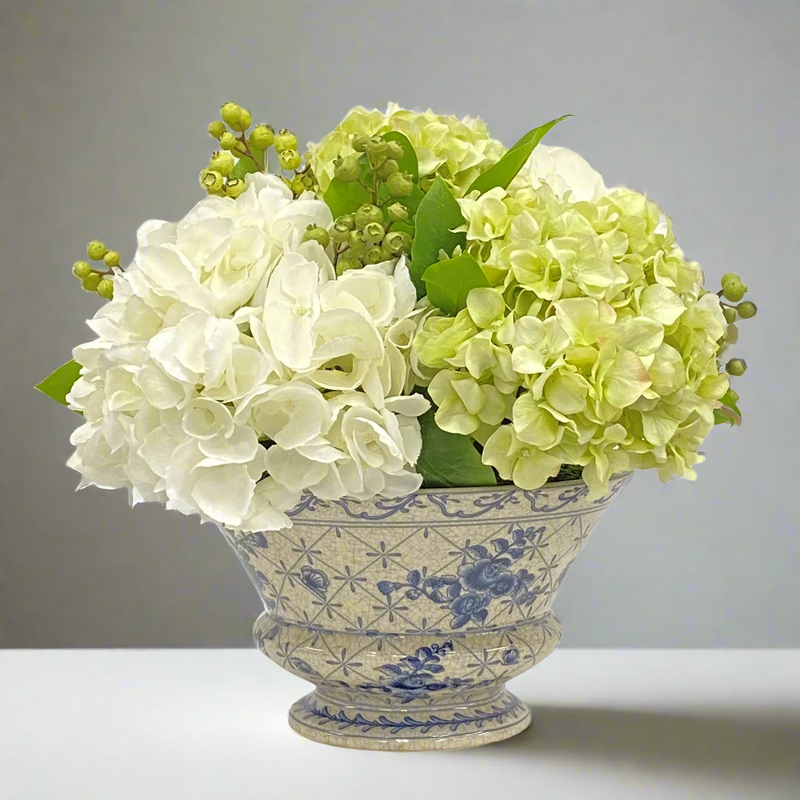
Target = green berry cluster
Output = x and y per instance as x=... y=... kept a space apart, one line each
x=95 y=280
x=362 y=238
x=733 y=290
x=382 y=159
x=223 y=177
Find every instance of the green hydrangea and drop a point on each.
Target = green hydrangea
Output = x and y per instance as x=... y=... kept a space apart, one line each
x=457 y=149
x=596 y=344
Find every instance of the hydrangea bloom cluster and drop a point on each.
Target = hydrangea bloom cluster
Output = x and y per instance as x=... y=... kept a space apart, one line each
x=233 y=369
x=290 y=333
x=457 y=149
x=594 y=344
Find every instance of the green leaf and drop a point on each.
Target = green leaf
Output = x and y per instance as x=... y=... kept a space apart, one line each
x=729 y=412
x=58 y=384
x=450 y=459
x=727 y=400
x=408 y=163
x=503 y=172
x=345 y=198
x=246 y=165
x=437 y=215
x=408 y=227
x=449 y=282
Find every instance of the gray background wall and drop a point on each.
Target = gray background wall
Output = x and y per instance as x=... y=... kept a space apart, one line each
x=104 y=110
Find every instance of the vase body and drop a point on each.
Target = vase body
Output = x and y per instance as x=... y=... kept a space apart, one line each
x=410 y=614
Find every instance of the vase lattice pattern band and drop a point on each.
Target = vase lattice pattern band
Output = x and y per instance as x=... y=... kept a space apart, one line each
x=411 y=614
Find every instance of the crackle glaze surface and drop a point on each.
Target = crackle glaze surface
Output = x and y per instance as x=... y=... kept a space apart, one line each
x=410 y=614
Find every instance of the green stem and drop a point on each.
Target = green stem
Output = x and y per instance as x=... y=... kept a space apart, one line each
x=250 y=154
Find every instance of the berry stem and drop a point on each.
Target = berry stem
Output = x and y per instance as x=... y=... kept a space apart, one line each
x=250 y=154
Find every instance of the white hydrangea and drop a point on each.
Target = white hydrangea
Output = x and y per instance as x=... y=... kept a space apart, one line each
x=233 y=369
x=562 y=170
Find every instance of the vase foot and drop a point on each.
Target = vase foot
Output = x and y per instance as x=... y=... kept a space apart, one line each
x=447 y=727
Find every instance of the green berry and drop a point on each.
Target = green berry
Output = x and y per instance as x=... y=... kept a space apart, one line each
x=314 y=233
x=96 y=250
x=228 y=141
x=339 y=233
x=216 y=129
x=80 y=269
x=399 y=184
x=222 y=162
x=234 y=187
x=347 y=168
x=374 y=255
x=730 y=314
x=212 y=181
x=387 y=168
x=747 y=310
x=289 y=159
x=236 y=117
x=356 y=242
x=377 y=146
x=366 y=214
x=285 y=140
x=736 y=367
x=374 y=232
x=397 y=242
x=395 y=150
x=262 y=137
x=398 y=212
x=348 y=220
x=360 y=143
x=91 y=282
x=733 y=288
x=105 y=288
x=111 y=258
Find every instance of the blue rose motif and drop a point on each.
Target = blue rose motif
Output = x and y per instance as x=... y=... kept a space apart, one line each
x=506 y=583
x=481 y=575
x=510 y=656
x=469 y=607
x=314 y=579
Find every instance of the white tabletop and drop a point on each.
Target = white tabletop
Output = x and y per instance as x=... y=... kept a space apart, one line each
x=197 y=724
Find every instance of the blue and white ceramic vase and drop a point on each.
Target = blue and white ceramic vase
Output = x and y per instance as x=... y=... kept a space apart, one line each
x=410 y=615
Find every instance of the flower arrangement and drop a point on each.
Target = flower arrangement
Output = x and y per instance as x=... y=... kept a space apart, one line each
x=407 y=304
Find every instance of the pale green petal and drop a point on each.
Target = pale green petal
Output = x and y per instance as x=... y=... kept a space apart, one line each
x=658 y=428
x=566 y=392
x=641 y=335
x=661 y=304
x=625 y=380
x=441 y=387
x=714 y=386
x=497 y=451
x=533 y=468
x=527 y=361
x=581 y=317
x=557 y=338
x=495 y=406
x=533 y=424
x=667 y=370
x=452 y=416
x=485 y=306
x=470 y=394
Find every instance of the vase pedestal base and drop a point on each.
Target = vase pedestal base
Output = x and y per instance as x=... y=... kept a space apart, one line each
x=370 y=726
